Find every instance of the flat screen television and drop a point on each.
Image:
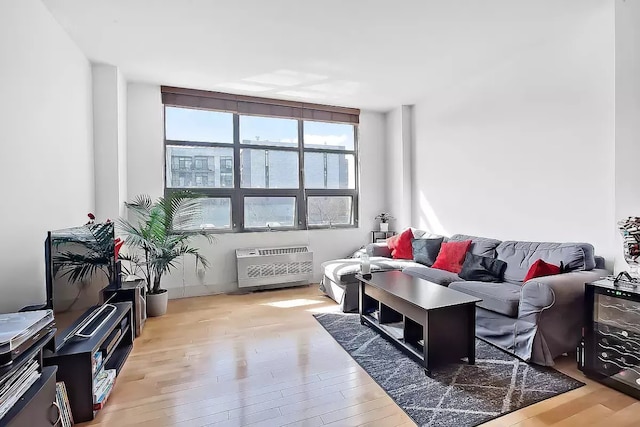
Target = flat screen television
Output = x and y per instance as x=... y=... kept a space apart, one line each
x=80 y=263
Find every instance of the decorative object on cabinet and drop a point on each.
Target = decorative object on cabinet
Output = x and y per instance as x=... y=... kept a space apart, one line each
x=630 y=230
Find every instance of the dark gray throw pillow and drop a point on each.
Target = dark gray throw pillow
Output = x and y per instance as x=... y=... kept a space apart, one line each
x=425 y=251
x=482 y=268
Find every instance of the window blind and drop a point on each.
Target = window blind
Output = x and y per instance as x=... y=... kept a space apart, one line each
x=256 y=106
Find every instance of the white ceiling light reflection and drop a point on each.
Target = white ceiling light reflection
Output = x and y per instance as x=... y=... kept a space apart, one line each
x=303 y=94
x=245 y=87
x=285 y=78
x=338 y=87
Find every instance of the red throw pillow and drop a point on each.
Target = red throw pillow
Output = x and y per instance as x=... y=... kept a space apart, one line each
x=451 y=256
x=541 y=269
x=400 y=245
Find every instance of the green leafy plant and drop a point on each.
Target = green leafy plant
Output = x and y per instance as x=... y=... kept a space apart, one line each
x=159 y=235
x=93 y=252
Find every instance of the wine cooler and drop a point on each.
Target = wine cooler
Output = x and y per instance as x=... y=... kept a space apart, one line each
x=610 y=350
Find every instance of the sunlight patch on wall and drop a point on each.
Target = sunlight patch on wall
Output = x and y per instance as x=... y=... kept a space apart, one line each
x=427 y=217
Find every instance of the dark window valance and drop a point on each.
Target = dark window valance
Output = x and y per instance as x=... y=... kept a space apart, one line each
x=251 y=105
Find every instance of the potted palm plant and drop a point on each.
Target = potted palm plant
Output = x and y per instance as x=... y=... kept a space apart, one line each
x=158 y=235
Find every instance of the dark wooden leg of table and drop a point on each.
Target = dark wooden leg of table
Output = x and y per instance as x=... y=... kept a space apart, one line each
x=425 y=347
x=361 y=301
x=471 y=343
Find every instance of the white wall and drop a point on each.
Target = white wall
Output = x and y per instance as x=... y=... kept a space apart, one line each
x=145 y=162
x=525 y=150
x=109 y=140
x=399 y=155
x=46 y=125
x=627 y=115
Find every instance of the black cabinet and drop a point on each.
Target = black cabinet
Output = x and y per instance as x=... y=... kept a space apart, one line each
x=610 y=351
x=74 y=360
x=37 y=407
x=134 y=292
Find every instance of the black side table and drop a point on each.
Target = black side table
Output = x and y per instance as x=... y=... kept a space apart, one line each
x=134 y=292
x=381 y=236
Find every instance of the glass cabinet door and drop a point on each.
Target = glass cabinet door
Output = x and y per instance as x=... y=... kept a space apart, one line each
x=617 y=338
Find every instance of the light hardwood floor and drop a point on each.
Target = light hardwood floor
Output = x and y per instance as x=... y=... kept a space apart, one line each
x=262 y=360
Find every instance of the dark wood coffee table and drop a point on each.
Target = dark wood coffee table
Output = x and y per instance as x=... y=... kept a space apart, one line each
x=431 y=323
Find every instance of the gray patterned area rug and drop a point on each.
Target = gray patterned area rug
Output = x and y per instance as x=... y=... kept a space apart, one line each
x=455 y=395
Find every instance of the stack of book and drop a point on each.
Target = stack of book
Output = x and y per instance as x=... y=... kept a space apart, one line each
x=102 y=386
x=66 y=418
x=96 y=362
x=13 y=387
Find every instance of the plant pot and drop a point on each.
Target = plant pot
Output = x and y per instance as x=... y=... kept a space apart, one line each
x=157 y=303
x=384 y=226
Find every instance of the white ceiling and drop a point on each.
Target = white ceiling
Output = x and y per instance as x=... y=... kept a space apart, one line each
x=370 y=54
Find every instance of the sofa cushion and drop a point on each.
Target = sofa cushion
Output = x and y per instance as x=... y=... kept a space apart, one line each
x=502 y=298
x=482 y=246
x=400 y=245
x=441 y=277
x=425 y=251
x=451 y=256
x=482 y=268
x=519 y=257
x=345 y=270
x=379 y=249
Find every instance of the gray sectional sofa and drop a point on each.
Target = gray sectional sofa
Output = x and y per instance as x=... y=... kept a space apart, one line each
x=537 y=320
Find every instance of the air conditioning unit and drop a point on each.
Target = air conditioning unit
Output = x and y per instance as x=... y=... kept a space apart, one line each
x=270 y=266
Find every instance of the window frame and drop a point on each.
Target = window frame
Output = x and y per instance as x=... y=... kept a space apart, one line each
x=237 y=194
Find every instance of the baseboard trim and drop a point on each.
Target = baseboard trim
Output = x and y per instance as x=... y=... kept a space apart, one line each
x=231 y=288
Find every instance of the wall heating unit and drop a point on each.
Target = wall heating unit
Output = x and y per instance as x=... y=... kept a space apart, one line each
x=291 y=265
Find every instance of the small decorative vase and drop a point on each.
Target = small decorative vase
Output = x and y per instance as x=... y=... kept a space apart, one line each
x=384 y=226
x=157 y=303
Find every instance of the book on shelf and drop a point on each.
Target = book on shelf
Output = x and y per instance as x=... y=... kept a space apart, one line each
x=102 y=399
x=66 y=418
x=17 y=384
x=103 y=385
x=113 y=341
x=96 y=361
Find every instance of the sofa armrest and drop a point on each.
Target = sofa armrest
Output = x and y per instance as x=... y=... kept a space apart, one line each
x=559 y=290
x=379 y=249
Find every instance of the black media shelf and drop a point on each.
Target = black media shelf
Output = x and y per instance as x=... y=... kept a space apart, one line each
x=36 y=407
x=74 y=359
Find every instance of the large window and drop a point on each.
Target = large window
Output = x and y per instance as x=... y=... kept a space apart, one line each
x=271 y=168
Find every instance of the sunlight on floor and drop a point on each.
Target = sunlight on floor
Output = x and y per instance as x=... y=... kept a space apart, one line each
x=292 y=303
x=328 y=309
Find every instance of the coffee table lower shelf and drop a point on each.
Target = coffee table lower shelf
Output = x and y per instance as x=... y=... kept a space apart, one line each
x=429 y=334
x=414 y=351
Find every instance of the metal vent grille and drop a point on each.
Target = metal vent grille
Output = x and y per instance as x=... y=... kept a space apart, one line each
x=279 y=269
x=282 y=251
